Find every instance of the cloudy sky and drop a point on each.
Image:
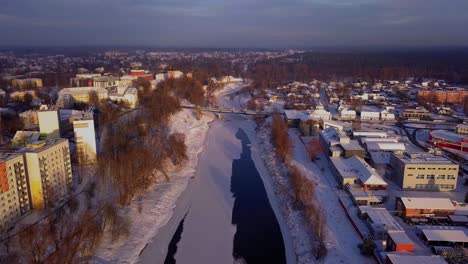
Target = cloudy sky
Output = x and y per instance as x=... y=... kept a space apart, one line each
x=234 y=23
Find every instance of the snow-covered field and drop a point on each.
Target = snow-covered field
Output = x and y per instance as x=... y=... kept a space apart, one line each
x=148 y=213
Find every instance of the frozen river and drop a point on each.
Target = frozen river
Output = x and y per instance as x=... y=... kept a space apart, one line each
x=226 y=213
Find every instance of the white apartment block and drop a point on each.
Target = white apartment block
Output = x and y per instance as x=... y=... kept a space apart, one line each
x=14 y=198
x=85 y=139
x=49 y=123
x=49 y=170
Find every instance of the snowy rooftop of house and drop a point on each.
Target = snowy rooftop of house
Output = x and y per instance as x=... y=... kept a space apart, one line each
x=355 y=167
x=352 y=145
x=379 y=134
x=295 y=114
x=380 y=216
x=448 y=135
x=370 y=108
x=427 y=203
x=380 y=157
x=383 y=140
x=330 y=135
x=423 y=158
x=385 y=146
x=445 y=235
x=399 y=237
x=414 y=259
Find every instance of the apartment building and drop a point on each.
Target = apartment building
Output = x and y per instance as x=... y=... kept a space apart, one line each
x=14 y=198
x=49 y=123
x=27 y=83
x=444 y=97
x=83 y=94
x=85 y=139
x=49 y=170
x=424 y=171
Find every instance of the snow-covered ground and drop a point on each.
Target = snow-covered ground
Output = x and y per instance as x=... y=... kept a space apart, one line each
x=341 y=239
x=148 y=213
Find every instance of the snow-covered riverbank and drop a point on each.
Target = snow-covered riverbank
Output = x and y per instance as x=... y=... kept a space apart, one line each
x=148 y=213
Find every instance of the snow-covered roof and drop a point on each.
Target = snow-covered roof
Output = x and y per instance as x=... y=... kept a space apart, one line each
x=427 y=203
x=445 y=235
x=385 y=146
x=381 y=217
x=414 y=259
x=399 y=237
x=355 y=167
x=380 y=134
x=448 y=135
x=295 y=114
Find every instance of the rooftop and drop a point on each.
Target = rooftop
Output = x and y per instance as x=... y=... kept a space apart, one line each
x=445 y=235
x=427 y=203
x=414 y=259
x=355 y=167
x=399 y=237
x=423 y=158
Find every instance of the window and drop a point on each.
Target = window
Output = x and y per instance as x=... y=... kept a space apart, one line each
x=420 y=176
x=430 y=177
x=451 y=177
x=441 y=177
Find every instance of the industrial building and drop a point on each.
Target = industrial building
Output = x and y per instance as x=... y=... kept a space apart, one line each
x=424 y=171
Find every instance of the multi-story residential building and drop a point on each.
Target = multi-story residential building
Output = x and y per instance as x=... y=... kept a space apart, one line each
x=49 y=123
x=424 y=171
x=14 y=198
x=85 y=139
x=105 y=82
x=27 y=83
x=85 y=79
x=49 y=170
x=83 y=94
x=444 y=97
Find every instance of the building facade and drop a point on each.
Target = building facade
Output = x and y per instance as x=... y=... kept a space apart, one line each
x=85 y=139
x=424 y=172
x=443 y=97
x=14 y=199
x=49 y=123
x=49 y=171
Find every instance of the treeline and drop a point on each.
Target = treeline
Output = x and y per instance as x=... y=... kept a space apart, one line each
x=449 y=65
x=304 y=189
x=138 y=147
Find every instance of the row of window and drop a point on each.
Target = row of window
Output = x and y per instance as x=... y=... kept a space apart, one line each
x=434 y=186
x=432 y=177
x=426 y=168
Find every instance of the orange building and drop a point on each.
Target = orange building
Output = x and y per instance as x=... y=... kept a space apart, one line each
x=409 y=207
x=399 y=241
x=443 y=97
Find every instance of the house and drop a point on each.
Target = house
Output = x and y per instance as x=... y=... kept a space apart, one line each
x=411 y=207
x=462 y=129
x=355 y=170
x=320 y=114
x=346 y=114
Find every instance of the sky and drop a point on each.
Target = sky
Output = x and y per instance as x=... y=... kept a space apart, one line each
x=234 y=23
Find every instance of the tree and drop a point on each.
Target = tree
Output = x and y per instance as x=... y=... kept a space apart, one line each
x=281 y=138
x=314 y=148
x=367 y=247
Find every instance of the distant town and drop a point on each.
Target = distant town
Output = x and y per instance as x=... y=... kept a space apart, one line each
x=103 y=156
